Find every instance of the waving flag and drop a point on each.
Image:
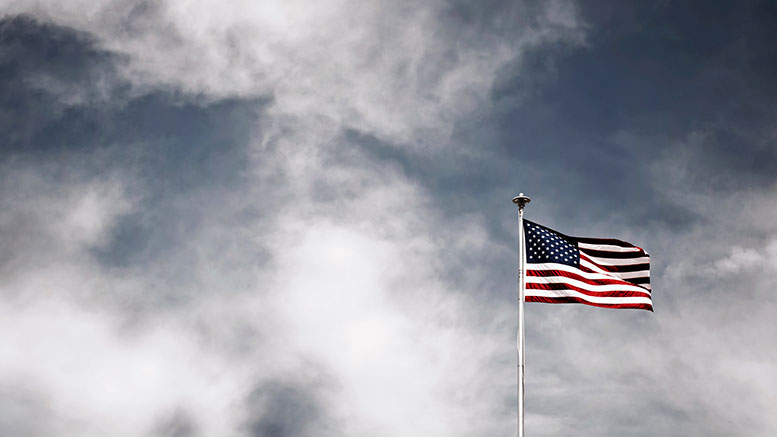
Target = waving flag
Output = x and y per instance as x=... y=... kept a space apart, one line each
x=593 y=271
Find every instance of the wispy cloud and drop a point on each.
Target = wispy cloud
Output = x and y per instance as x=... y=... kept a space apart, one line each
x=287 y=218
x=302 y=288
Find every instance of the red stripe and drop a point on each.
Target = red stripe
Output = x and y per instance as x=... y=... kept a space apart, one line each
x=546 y=273
x=565 y=286
x=628 y=268
x=614 y=255
x=570 y=299
x=610 y=241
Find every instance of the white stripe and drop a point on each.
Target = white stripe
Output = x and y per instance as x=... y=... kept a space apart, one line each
x=584 y=285
x=633 y=275
x=594 y=267
x=570 y=269
x=601 y=274
x=618 y=275
x=590 y=265
x=592 y=299
x=608 y=247
x=619 y=261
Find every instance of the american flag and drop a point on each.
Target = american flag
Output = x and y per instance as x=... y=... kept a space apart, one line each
x=593 y=271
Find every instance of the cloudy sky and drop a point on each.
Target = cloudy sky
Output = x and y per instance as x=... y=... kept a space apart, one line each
x=293 y=218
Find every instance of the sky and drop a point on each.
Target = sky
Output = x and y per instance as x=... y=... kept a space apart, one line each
x=292 y=218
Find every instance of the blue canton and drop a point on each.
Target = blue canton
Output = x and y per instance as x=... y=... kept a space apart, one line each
x=545 y=246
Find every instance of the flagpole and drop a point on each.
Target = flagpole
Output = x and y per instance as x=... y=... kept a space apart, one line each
x=520 y=200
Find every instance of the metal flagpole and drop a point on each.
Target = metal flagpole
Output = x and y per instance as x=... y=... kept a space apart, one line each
x=520 y=200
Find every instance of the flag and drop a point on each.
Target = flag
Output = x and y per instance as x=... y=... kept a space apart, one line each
x=593 y=271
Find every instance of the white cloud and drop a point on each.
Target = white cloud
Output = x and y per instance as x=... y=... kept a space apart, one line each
x=405 y=71
x=747 y=260
x=354 y=289
x=97 y=379
x=353 y=285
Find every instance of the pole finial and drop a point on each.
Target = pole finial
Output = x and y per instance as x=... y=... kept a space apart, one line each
x=521 y=200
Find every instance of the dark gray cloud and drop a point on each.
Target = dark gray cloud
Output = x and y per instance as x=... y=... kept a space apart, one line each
x=650 y=76
x=174 y=147
x=178 y=424
x=43 y=69
x=281 y=410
